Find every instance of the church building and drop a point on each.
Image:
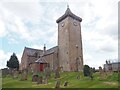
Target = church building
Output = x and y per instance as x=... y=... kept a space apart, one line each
x=68 y=54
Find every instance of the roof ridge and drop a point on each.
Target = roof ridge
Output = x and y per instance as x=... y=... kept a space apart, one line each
x=33 y=49
x=68 y=13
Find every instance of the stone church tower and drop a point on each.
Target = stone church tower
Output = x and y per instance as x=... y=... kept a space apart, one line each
x=70 y=52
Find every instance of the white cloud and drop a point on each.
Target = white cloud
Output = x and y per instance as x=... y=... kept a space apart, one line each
x=37 y=47
x=25 y=10
x=2 y=29
x=99 y=25
x=19 y=55
x=5 y=57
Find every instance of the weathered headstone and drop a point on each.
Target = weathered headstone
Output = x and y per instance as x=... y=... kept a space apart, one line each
x=40 y=80
x=57 y=86
x=35 y=78
x=78 y=77
x=45 y=81
x=57 y=73
x=65 y=83
x=102 y=74
x=100 y=70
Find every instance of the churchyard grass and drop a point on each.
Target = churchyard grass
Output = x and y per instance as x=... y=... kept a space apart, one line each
x=111 y=81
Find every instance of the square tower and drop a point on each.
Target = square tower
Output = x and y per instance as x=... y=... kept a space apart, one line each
x=70 y=51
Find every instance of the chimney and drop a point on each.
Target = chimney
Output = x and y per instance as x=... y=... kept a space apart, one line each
x=44 y=49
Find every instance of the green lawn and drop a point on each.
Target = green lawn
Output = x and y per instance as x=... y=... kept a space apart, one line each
x=111 y=81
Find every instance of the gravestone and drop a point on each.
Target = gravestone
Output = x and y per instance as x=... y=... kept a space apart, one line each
x=100 y=70
x=102 y=74
x=35 y=78
x=78 y=77
x=57 y=73
x=57 y=86
x=40 y=80
x=65 y=83
x=45 y=81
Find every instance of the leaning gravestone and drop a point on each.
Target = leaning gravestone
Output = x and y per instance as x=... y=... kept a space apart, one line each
x=57 y=86
x=57 y=73
x=40 y=80
x=35 y=78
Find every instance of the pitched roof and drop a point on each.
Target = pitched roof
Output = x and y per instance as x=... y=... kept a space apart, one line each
x=51 y=50
x=32 y=51
x=69 y=13
x=41 y=60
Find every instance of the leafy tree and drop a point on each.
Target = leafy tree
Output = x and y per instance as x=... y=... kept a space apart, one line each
x=13 y=62
x=86 y=70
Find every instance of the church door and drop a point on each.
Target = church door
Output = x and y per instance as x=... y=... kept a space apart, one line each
x=41 y=67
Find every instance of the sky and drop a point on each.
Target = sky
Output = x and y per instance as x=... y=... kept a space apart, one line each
x=32 y=23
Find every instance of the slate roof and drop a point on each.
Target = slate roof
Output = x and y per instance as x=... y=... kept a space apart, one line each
x=51 y=50
x=69 y=13
x=41 y=60
x=32 y=51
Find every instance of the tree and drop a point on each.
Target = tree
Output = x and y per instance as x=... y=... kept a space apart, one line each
x=13 y=62
x=86 y=70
